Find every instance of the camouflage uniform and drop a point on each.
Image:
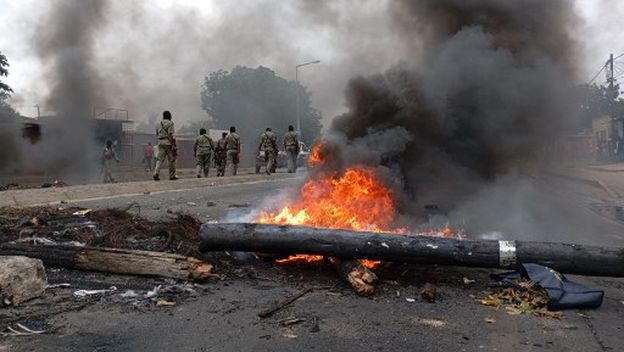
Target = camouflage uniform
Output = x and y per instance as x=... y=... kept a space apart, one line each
x=108 y=155
x=164 y=131
x=233 y=151
x=203 y=149
x=220 y=156
x=291 y=145
x=268 y=144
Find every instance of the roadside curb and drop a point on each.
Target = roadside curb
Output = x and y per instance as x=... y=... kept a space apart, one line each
x=603 y=169
x=589 y=181
x=38 y=196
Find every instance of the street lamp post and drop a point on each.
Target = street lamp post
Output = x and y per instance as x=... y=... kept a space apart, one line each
x=297 y=93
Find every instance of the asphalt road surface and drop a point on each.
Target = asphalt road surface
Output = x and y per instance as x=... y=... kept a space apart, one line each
x=223 y=317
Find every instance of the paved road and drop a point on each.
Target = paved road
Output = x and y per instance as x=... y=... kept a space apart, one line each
x=528 y=210
x=224 y=317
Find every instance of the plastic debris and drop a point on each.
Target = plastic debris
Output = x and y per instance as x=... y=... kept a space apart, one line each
x=21 y=330
x=83 y=212
x=84 y=293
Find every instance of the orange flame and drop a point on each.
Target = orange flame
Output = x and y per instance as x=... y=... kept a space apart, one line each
x=316 y=157
x=354 y=199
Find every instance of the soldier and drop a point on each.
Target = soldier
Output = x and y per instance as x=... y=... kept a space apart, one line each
x=108 y=155
x=233 y=150
x=221 y=155
x=291 y=145
x=167 y=148
x=268 y=144
x=202 y=149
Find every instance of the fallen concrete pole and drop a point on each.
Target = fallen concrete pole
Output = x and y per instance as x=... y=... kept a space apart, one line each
x=118 y=261
x=566 y=258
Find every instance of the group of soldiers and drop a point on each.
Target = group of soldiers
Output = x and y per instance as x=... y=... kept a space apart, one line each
x=226 y=151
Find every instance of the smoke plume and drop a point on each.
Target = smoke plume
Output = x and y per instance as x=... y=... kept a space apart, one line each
x=65 y=42
x=487 y=89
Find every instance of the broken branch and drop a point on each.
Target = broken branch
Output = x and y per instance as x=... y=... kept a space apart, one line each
x=279 y=305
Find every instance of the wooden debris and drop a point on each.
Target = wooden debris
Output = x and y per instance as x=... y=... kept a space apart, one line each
x=118 y=261
x=290 y=321
x=353 y=272
x=280 y=305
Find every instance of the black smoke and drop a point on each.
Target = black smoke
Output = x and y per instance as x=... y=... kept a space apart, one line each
x=488 y=89
x=65 y=41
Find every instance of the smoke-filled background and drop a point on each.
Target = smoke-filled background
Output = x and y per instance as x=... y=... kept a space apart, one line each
x=447 y=97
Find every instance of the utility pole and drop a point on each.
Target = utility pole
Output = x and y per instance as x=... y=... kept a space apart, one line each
x=38 y=111
x=610 y=78
x=297 y=94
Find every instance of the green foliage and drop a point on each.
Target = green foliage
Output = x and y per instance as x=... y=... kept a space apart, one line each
x=598 y=101
x=253 y=99
x=5 y=90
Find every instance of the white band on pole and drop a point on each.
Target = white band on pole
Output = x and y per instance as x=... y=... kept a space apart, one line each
x=507 y=253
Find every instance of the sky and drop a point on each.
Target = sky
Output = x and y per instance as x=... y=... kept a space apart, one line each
x=154 y=55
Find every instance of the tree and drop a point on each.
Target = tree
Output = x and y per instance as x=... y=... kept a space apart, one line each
x=596 y=101
x=5 y=90
x=6 y=110
x=253 y=99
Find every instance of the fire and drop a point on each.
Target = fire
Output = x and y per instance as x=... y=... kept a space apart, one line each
x=316 y=156
x=353 y=199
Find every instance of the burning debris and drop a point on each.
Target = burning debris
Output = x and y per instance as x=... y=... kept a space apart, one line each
x=352 y=199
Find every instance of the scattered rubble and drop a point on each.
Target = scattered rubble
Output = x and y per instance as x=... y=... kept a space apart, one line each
x=21 y=279
x=114 y=228
x=429 y=292
x=85 y=293
x=20 y=330
x=524 y=297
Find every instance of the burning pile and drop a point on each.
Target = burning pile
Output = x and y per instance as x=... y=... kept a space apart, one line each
x=351 y=199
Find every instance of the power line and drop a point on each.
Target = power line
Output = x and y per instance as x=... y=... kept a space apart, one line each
x=598 y=74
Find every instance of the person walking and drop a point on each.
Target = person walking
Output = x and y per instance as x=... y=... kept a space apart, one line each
x=221 y=155
x=148 y=156
x=108 y=155
x=202 y=149
x=291 y=145
x=233 y=150
x=268 y=145
x=167 y=149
